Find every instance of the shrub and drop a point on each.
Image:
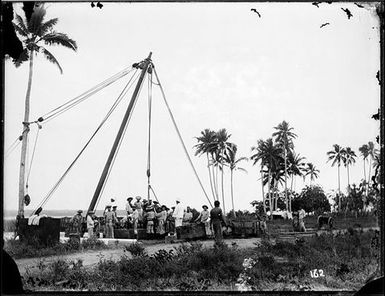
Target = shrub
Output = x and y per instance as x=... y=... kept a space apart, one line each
x=136 y=249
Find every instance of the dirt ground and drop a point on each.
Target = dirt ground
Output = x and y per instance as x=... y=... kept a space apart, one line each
x=90 y=257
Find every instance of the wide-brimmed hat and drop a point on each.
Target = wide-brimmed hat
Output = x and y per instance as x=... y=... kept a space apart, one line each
x=204 y=206
x=138 y=198
x=177 y=199
x=114 y=206
x=112 y=199
x=80 y=211
x=108 y=206
x=130 y=198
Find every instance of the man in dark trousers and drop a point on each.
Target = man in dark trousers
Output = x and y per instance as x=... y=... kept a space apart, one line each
x=217 y=217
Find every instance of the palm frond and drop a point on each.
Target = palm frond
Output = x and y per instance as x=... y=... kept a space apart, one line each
x=62 y=39
x=49 y=56
x=36 y=20
x=45 y=27
x=20 y=29
x=24 y=56
x=21 y=25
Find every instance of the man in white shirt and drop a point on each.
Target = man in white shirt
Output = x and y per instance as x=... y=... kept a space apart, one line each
x=178 y=214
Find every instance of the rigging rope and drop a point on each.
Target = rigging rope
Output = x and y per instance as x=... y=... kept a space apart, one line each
x=33 y=154
x=13 y=146
x=153 y=192
x=118 y=147
x=149 y=91
x=115 y=104
x=180 y=137
x=82 y=97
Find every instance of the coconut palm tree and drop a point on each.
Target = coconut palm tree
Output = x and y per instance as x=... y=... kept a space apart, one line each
x=223 y=147
x=273 y=157
x=337 y=156
x=312 y=171
x=372 y=151
x=364 y=149
x=207 y=145
x=233 y=163
x=349 y=159
x=285 y=136
x=260 y=156
x=296 y=166
x=35 y=33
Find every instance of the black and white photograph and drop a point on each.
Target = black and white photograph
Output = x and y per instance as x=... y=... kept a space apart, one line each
x=188 y=146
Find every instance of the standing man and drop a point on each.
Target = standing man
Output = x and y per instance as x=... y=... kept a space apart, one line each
x=216 y=216
x=204 y=217
x=178 y=215
x=109 y=218
x=301 y=216
x=90 y=224
x=76 y=223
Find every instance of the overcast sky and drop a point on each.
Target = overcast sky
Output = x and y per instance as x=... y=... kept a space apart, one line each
x=221 y=66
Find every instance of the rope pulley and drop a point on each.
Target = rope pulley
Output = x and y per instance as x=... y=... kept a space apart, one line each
x=27 y=199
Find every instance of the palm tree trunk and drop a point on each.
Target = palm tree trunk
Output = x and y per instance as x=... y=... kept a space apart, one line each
x=370 y=168
x=365 y=188
x=347 y=167
x=215 y=181
x=286 y=200
x=232 y=191
x=25 y=139
x=269 y=187
x=211 y=181
x=339 y=190
x=263 y=192
x=223 y=192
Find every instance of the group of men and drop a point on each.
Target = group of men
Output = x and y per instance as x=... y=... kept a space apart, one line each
x=155 y=218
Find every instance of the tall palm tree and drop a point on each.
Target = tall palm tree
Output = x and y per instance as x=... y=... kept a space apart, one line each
x=285 y=136
x=337 y=156
x=372 y=151
x=35 y=32
x=223 y=147
x=233 y=162
x=364 y=149
x=206 y=145
x=296 y=166
x=260 y=156
x=311 y=171
x=272 y=155
x=349 y=159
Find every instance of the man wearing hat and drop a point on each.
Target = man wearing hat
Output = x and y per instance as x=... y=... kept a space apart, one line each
x=76 y=222
x=178 y=214
x=129 y=206
x=109 y=218
x=139 y=206
x=161 y=218
x=90 y=223
x=204 y=217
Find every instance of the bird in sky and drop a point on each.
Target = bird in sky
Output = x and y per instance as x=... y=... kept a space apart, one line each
x=359 y=5
x=347 y=11
x=325 y=24
x=254 y=10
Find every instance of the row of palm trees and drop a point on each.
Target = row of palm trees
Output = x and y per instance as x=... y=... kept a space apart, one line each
x=279 y=162
x=347 y=157
x=276 y=156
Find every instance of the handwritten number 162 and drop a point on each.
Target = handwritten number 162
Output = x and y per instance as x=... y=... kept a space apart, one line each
x=315 y=273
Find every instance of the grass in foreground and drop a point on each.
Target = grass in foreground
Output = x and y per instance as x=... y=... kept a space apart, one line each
x=18 y=249
x=347 y=261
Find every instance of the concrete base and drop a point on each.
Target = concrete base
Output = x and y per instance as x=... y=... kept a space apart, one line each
x=107 y=241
